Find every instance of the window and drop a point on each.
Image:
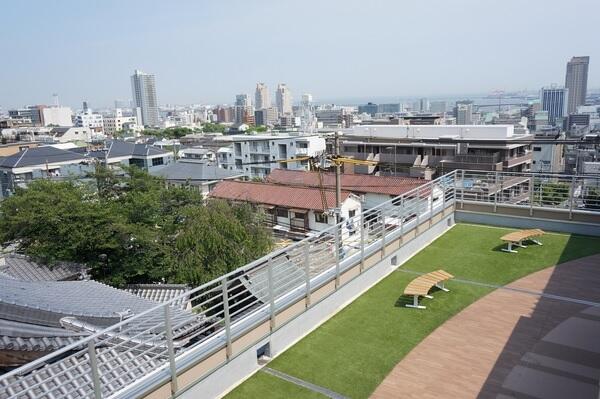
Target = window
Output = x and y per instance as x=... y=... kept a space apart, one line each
x=352 y=213
x=537 y=149
x=282 y=213
x=158 y=161
x=321 y=218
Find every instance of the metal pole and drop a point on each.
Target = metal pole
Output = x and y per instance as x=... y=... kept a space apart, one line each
x=337 y=255
x=362 y=241
x=170 y=350
x=226 y=317
x=307 y=271
x=496 y=192
x=462 y=191
x=572 y=198
x=95 y=372
x=382 y=233
x=418 y=206
x=271 y=293
x=338 y=179
x=430 y=203
x=531 y=194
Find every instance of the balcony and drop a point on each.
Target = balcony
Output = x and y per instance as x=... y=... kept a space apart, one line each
x=271 y=303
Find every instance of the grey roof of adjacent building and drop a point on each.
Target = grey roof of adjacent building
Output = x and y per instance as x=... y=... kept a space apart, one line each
x=161 y=293
x=17 y=336
x=59 y=131
x=195 y=171
x=71 y=377
x=94 y=304
x=120 y=148
x=40 y=156
x=21 y=267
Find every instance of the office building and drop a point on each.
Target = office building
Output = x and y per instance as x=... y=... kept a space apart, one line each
x=437 y=107
x=368 y=108
x=554 y=100
x=423 y=105
x=262 y=98
x=143 y=87
x=388 y=108
x=464 y=114
x=576 y=82
x=283 y=98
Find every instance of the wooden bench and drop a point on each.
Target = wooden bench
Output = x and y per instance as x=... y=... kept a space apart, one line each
x=422 y=284
x=516 y=238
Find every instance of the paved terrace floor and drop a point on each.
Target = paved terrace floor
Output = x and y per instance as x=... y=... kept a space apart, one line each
x=512 y=343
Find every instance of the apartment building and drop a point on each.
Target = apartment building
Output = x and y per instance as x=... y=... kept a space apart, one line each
x=258 y=155
x=424 y=150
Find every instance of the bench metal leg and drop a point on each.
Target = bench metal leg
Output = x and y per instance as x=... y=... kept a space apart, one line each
x=428 y=296
x=441 y=287
x=535 y=241
x=415 y=303
x=509 y=249
x=520 y=244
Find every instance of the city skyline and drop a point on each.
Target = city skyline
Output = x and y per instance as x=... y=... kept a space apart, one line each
x=345 y=60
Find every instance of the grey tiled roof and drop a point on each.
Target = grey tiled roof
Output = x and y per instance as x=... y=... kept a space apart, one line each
x=21 y=267
x=119 y=148
x=161 y=293
x=18 y=336
x=73 y=375
x=194 y=171
x=46 y=302
x=40 y=156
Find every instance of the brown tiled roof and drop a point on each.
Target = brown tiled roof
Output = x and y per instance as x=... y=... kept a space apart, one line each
x=356 y=183
x=275 y=194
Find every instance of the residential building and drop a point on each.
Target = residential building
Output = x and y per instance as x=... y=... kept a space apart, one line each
x=69 y=134
x=118 y=122
x=576 y=82
x=243 y=109
x=373 y=190
x=423 y=105
x=198 y=153
x=421 y=150
x=330 y=117
x=258 y=155
x=143 y=87
x=464 y=113
x=88 y=119
x=548 y=157
x=266 y=116
x=368 y=108
x=224 y=114
x=54 y=116
x=46 y=162
x=283 y=97
x=144 y=156
x=290 y=209
x=262 y=97
x=202 y=177
x=554 y=100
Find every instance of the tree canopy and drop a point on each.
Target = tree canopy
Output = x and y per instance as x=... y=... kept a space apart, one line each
x=131 y=228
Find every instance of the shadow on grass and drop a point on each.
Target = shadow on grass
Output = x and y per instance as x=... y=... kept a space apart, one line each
x=404 y=300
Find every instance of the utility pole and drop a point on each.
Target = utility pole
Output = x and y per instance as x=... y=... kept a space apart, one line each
x=338 y=178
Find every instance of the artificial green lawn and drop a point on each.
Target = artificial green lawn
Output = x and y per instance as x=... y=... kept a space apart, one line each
x=353 y=352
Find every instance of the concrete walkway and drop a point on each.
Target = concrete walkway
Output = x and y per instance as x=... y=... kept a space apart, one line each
x=512 y=344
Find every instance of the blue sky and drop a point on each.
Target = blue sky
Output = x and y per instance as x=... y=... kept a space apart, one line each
x=207 y=51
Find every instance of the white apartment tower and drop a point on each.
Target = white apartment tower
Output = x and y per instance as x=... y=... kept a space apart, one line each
x=143 y=87
x=284 y=99
x=262 y=99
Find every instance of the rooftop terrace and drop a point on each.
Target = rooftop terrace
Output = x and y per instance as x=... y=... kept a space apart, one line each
x=353 y=353
x=356 y=271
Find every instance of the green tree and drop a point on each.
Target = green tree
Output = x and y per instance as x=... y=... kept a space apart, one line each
x=554 y=193
x=131 y=228
x=213 y=128
x=591 y=198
